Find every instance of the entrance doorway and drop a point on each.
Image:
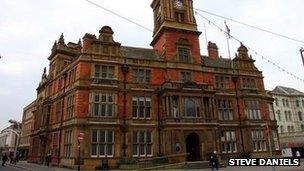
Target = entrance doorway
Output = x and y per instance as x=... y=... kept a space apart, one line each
x=193 y=147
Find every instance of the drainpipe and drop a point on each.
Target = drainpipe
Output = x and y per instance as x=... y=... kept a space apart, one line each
x=61 y=119
x=124 y=70
x=159 y=127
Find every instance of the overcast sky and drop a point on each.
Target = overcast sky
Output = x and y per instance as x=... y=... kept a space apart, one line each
x=28 y=29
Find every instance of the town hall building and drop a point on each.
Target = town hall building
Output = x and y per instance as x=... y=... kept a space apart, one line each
x=135 y=104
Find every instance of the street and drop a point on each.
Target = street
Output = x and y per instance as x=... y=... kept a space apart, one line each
x=9 y=168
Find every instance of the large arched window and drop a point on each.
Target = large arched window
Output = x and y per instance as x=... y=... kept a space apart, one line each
x=190 y=108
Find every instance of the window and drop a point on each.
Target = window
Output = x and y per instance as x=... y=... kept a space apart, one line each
x=258 y=140
x=289 y=116
x=225 y=109
x=283 y=101
x=279 y=115
x=141 y=107
x=104 y=72
x=300 y=116
x=228 y=142
x=297 y=103
x=68 y=143
x=175 y=102
x=275 y=140
x=184 y=55
x=271 y=114
x=58 y=111
x=102 y=143
x=105 y=49
x=303 y=103
x=281 y=129
x=302 y=127
x=252 y=109
x=102 y=104
x=179 y=17
x=142 y=75
x=286 y=115
x=190 y=107
x=222 y=82
x=276 y=101
x=142 y=143
x=185 y=77
x=70 y=107
x=248 y=83
x=72 y=75
x=287 y=103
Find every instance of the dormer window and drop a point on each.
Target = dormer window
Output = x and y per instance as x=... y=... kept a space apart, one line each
x=184 y=55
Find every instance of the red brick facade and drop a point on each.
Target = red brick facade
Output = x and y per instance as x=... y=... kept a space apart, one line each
x=135 y=103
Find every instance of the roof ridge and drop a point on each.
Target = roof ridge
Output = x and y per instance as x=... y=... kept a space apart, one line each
x=135 y=47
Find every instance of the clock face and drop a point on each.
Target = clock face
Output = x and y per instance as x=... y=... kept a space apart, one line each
x=178 y=4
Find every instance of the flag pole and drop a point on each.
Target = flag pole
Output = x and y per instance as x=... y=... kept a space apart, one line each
x=301 y=51
x=228 y=37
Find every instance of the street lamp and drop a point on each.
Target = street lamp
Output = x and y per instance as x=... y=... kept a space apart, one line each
x=17 y=132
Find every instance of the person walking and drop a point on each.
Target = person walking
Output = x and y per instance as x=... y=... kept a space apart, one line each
x=298 y=155
x=4 y=159
x=213 y=161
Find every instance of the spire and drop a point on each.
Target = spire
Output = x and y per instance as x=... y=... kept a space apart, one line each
x=54 y=45
x=61 y=39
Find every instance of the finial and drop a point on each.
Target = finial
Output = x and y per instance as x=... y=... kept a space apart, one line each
x=79 y=42
x=61 y=39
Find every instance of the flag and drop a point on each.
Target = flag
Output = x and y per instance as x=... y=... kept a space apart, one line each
x=227 y=30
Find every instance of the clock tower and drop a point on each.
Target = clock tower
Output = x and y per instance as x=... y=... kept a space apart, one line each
x=175 y=28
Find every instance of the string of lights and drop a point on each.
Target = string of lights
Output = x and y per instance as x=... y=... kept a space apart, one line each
x=251 y=26
x=221 y=29
x=251 y=49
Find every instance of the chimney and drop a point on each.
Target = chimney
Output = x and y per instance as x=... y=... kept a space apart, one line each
x=212 y=50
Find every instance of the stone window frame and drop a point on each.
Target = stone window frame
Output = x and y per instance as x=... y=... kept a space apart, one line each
x=144 y=143
x=104 y=71
x=196 y=103
x=258 y=140
x=106 y=101
x=98 y=143
x=228 y=139
x=144 y=104
x=68 y=143
x=253 y=109
x=222 y=82
x=249 y=83
x=70 y=109
x=185 y=76
x=225 y=105
x=142 y=75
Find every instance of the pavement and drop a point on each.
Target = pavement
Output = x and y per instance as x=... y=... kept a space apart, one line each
x=24 y=166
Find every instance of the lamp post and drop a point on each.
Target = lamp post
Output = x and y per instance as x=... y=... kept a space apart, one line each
x=17 y=132
x=235 y=80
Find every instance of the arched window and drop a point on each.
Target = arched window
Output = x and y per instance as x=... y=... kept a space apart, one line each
x=190 y=107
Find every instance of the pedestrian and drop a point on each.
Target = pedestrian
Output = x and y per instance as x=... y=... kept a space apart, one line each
x=4 y=159
x=213 y=161
x=48 y=159
x=298 y=154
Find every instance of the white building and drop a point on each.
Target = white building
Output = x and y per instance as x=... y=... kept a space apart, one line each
x=289 y=113
x=8 y=139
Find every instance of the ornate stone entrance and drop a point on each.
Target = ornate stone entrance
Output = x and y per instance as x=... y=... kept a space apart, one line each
x=193 y=147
